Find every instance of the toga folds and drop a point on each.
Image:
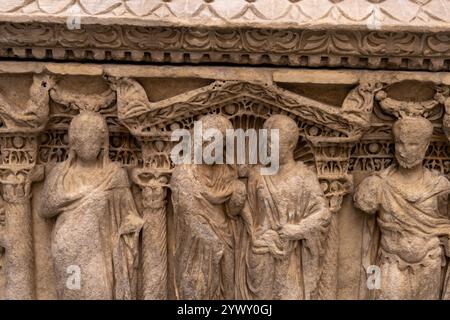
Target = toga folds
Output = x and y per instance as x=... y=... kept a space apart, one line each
x=293 y=197
x=409 y=240
x=96 y=230
x=204 y=254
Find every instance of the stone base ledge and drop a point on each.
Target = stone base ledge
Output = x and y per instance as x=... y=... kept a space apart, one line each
x=251 y=74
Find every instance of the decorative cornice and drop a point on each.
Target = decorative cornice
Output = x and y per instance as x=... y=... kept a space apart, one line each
x=373 y=34
x=305 y=48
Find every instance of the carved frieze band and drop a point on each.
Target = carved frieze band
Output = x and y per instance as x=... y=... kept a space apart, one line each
x=307 y=48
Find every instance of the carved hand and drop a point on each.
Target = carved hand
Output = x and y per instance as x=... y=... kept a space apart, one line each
x=273 y=243
x=291 y=232
x=131 y=224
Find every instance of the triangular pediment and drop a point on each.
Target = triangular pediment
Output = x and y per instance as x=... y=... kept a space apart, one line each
x=231 y=98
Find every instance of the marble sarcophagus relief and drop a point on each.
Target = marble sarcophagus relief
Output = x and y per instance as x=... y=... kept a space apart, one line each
x=110 y=110
x=93 y=207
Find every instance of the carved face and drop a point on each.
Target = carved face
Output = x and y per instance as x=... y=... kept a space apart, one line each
x=87 y=134
x=87 y=146
x=410 y=151
x=288 y=135
x=217 y=122
x=412 y=137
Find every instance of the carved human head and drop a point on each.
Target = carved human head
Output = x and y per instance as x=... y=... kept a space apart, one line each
x=412 y=136
x=214 y=128
x=88 y=134
x=216 y=121
x=288 y=134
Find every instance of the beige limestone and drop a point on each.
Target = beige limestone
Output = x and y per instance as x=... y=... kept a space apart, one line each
x=285 y=240
x=372 y=14
x=344 y=122
x=92 y=206
x=409 y=238
x=97 y=224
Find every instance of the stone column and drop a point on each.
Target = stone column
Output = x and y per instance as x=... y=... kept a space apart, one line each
x=332 y=157
x=20 y=127
x=154 y=232
x=16 y=179
x=153 y=178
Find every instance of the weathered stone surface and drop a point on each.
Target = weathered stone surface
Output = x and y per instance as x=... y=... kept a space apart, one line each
x=95 y=205
x=371 y=14
x=387 y=34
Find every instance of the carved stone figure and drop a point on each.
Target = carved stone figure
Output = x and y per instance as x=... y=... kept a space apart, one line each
x=286 y=219
x=97 y=224
x=217 y=231
x=207 y=200
x=410 y=238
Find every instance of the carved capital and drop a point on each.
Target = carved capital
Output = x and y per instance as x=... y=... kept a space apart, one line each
x=154 y=184
x=16 y=184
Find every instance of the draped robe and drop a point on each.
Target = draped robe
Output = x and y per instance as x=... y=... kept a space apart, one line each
x=410 y=237
x=96 y=229
x=293 y=197
x=204 y=254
